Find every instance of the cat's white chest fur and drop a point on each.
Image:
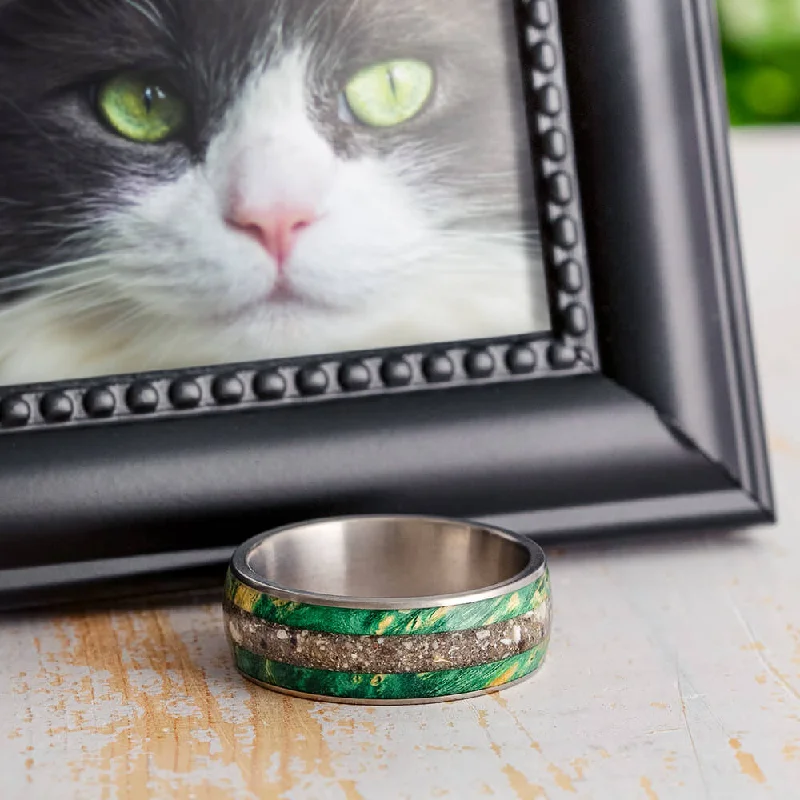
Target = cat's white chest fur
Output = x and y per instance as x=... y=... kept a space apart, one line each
x=45 y=342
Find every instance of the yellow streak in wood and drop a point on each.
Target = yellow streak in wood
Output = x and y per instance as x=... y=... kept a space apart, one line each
x=440 y=613
x=794 y=632
x=504 y=704
x=523 y=788
x=747 y=763
x=791 y=752
x=414 y=625
x=350 y=791
x=500 y=700
x=648 y=789
x=503 y=679
x=579 y=765
x=561 y=778
x=384 y=624
x=246 y=598
x=784 y=446
x=659 y=705
x=138 y=663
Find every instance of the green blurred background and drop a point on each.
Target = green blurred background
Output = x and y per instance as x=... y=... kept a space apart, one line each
x=761 y=47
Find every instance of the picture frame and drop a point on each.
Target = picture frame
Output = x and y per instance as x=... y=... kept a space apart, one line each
x=640 y=412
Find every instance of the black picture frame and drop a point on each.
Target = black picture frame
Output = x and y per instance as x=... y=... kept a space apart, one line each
x=640 y=412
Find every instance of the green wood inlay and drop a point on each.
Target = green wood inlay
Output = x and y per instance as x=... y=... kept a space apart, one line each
x=364 y=622
x=398 y=686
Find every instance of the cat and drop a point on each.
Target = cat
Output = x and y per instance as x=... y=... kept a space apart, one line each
x=196 y=182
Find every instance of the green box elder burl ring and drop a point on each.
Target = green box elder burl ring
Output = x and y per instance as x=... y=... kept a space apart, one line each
x=388 y=610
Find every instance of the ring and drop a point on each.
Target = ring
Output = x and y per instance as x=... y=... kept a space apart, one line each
x=388 y=610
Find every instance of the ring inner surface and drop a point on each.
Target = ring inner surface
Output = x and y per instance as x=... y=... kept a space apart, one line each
x=391 y=558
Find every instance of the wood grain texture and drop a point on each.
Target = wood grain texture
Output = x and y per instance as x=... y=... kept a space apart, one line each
x=674 y=670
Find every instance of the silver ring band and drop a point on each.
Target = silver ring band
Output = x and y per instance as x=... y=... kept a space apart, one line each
x=388 y=609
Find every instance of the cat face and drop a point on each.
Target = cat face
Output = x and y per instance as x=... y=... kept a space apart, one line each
x=189 y=182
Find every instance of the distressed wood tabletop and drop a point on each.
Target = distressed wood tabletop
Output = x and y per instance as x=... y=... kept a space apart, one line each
x=674 y=670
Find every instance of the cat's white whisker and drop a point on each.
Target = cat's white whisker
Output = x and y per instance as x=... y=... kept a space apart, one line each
x=149 y=11
x=31 y=120
x=116 y=324
x=491 y=237
x=45 y=274
x=52 y=295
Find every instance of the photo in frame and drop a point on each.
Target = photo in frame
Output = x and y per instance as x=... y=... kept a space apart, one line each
x=188 y=184
x=341 y=257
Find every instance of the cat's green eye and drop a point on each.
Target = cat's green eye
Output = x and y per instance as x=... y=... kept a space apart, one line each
x=141 y=108
x=390 y=93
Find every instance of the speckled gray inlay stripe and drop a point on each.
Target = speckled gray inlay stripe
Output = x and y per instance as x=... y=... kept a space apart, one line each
x=388 y=654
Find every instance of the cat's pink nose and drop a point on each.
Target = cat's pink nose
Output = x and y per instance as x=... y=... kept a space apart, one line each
x=276 y=229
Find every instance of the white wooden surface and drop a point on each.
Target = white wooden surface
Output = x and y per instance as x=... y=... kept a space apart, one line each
x=674 y=670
